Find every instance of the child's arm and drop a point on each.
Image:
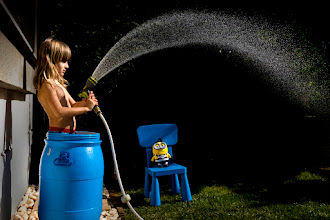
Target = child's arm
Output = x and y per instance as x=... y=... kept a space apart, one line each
x=81 y=103
x=78 y=104
x=60 y=111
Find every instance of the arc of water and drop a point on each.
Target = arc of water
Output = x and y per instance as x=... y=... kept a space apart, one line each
x=271 y=47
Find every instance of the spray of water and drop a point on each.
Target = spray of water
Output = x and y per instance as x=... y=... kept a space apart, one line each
x=272 y=48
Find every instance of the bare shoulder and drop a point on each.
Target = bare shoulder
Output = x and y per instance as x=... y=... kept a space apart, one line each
x=46 y=88
x=47 y=85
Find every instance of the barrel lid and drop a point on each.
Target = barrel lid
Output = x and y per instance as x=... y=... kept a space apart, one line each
x=77 y=136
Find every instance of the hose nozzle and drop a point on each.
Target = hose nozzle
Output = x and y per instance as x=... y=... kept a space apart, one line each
x=84 y=93
x=90 y=83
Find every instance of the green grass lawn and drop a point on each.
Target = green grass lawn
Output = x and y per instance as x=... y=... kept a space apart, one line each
x=304 y=196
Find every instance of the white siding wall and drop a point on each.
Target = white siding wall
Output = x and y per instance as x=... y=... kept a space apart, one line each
x=15 y=127
x=15 y=130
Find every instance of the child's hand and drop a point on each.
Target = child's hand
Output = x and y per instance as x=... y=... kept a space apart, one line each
x=91 y=101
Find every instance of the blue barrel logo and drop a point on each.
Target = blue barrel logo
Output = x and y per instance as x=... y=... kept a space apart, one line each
x=71 y=177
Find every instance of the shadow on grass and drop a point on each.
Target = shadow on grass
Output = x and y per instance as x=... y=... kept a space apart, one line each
x=306 y=185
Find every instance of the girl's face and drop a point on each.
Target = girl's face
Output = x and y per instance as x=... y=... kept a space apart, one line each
x=62 y=67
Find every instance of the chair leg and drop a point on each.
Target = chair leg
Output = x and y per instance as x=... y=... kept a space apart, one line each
x=185 y=192
x=175 y=185
x=155 y=194
x=147 y=185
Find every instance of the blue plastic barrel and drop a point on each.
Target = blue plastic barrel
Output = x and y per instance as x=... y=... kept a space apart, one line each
x=71 y=177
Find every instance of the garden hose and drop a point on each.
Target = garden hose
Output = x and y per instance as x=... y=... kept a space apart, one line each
x=90 y=83
x=126 y=197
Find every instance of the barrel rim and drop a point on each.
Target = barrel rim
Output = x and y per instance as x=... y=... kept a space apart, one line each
x=77 y=136
x=79 y=143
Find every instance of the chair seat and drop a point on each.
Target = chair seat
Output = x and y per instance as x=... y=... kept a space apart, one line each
x=164 y=171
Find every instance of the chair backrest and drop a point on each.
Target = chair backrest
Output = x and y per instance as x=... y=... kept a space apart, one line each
x=150 y=134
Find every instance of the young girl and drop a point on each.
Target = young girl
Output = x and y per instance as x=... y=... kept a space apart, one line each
x=61 y=108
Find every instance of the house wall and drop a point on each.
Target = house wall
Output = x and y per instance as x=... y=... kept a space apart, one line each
x=16 y=108
x=15 y=133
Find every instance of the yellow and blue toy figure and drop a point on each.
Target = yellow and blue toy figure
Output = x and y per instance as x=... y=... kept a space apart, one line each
x=160 y=154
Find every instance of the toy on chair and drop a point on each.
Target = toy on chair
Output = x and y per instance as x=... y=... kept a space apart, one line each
x=167 y=136
x=160 y=154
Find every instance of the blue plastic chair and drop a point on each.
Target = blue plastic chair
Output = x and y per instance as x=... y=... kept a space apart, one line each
x=148 y=135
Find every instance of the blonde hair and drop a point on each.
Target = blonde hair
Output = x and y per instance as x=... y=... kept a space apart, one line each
x=50 y=53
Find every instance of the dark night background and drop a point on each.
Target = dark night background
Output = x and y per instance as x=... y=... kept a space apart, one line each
x=232 y=126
